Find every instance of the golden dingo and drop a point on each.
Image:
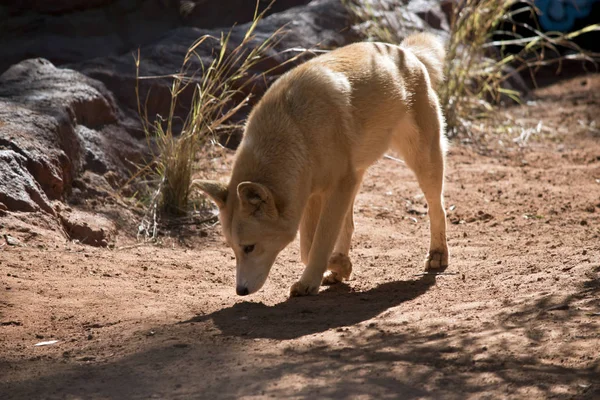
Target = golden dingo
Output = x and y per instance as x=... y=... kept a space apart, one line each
x=307 y=145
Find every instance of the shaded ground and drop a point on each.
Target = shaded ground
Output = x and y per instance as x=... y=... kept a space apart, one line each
x=517 y=315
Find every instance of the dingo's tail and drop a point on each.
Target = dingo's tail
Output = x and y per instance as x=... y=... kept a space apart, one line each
x=429 y=49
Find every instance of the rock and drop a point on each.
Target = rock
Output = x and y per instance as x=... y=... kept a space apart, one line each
x=92 y=185
x=11 y=241
x=402 y=20
x=41 y=105
x=110 y=148
x=37 y=137
x=431 y=12
x=114 y=180
x=415 y=210
x=19 y=191
x=54 y=123
x=68 y=31
x=321 y=23
x=88 y=228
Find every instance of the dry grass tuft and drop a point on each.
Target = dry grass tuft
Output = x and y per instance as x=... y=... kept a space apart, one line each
x=218 y=93
x=216 y=87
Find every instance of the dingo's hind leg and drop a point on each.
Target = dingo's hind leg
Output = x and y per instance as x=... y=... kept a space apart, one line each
x=422 y=144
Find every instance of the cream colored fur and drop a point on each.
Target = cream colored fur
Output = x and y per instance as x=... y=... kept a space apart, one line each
x=307 y=145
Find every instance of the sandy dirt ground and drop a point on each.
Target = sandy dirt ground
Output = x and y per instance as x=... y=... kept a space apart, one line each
x=517 y=314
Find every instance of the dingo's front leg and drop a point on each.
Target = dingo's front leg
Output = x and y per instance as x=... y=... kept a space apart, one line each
x=335 y=208
x=308 y=226
x=340 y=266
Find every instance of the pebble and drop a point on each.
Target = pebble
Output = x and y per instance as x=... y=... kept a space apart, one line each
x=11 y=241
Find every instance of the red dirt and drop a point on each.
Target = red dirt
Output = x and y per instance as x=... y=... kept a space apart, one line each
x=517 y=315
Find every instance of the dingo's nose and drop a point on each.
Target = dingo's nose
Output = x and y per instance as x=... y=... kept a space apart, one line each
x=241 y=290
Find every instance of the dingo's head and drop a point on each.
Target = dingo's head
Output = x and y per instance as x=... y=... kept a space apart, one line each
x=252 y=227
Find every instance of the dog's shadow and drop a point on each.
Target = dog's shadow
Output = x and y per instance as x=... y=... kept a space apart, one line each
x=334 y=307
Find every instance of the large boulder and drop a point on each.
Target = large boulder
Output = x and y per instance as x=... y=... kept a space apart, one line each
x=53 y=123
x=69 y=31
x=321 y=24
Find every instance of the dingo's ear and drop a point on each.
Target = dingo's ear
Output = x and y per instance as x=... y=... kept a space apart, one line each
x=257 y=199
x=217 y=191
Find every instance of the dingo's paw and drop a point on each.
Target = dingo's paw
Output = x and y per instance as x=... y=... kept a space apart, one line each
x=339 y=269
x=330 y=278
x=302 y=289
x=436 y=259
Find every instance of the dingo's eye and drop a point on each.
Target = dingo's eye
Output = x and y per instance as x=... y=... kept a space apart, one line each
x=249 y=249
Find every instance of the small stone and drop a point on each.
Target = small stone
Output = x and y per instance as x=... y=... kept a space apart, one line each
x=88 y=228
x=11 y=241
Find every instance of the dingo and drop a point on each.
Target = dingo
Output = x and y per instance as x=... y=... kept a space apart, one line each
x=307 y=145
